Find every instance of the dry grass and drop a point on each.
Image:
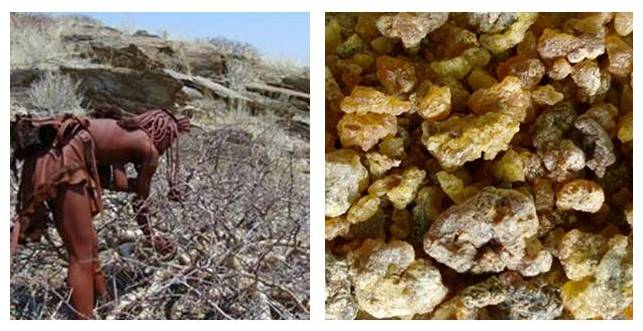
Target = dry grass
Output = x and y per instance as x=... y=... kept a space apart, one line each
x=242 y=234
x=36 y=41
x=234 y=48
x=286 y=67
x=54 y=94
x=267 y=128
x=238 y=74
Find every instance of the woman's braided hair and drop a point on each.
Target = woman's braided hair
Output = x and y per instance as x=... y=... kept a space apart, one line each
x=163 y=128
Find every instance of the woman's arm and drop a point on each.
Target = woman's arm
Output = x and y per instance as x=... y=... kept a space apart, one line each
x=121 y=182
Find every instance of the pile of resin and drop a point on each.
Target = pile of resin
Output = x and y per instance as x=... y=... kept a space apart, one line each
x=479 y=166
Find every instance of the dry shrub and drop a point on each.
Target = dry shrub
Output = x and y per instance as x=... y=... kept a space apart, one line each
x=286 y=67
x=36 y=41
x=79 y=19
x=238 y=74
x=234 y=48
x=242 y=235
x=56 y=93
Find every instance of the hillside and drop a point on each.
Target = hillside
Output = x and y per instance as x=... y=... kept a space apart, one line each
x=242 y=231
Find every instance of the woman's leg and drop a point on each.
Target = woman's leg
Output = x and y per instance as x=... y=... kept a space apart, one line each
x=100 y=284
x=74 y=223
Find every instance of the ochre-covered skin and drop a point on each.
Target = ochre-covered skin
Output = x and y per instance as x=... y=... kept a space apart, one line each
x=492 y=148
x=62 y=171
x=140 y=140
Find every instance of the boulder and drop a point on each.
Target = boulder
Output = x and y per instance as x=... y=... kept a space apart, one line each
x=132 y=90
x=130 y=56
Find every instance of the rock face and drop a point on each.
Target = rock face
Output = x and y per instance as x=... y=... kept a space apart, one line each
x=129 y=89
x=297 y=83
x=144 y=51
x=132 y=90
x=123 y=57
x=140 y=71
x=105 y=45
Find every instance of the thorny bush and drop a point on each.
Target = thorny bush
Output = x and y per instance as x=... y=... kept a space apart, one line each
x=242 y=235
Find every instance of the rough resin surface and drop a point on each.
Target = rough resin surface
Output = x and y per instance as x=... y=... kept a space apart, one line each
x=390 y=282
x=479 y=165
x=488 y=232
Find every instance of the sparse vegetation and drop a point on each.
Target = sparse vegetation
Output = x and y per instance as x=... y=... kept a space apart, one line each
x=234 y=48
x=55 y=94
x=238 y=74
x=242 y=231
x=36 y=41
x=286 y=67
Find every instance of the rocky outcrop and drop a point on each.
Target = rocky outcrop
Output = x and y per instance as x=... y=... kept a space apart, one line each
x=132 y=90
x=301 y=84
x=138 y=71
x=143 y=50
x=131 y=57
x=104 y=45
